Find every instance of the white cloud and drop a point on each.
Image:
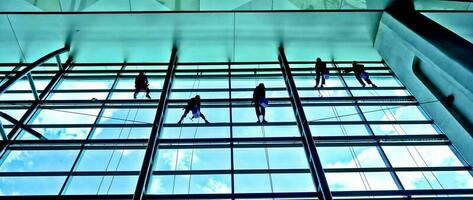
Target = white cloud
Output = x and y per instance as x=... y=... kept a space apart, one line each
x=214 y=186
x=184 y=157
x=367 y=158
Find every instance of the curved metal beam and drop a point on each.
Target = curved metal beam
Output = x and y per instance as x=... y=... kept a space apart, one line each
x=30 y=67
x=24 y=127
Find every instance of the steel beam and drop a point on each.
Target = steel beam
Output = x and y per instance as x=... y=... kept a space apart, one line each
x=59 y=64
x=21 y=125
x=30 y=67
x=2 y=132
x=147 y=165
x=315 y=164
x=33 y=87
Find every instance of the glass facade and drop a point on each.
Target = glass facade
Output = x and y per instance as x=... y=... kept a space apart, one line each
x=370 y=142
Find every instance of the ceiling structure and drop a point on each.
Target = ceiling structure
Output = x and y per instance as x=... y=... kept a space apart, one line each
x=231 y=35
x=148 y=37
x=181 y=5
x=459 y=22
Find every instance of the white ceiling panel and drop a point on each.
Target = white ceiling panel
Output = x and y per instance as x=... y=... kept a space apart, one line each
x=341 y=35
x=10 y=51
x=148 y=37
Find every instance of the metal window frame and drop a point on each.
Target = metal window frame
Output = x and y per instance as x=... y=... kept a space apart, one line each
x=230 y=142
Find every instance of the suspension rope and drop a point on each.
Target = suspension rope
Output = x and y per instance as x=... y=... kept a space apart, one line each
x=352 y=151
x=111 y=157
x=192 y=156
x=148 y=123
x=400 y=130
x=122 y=151
x=266 y=152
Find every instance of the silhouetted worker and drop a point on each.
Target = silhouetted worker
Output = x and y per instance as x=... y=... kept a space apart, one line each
x=193 y=105
x=320 y=70
x=360 y=74
x=259 y=98
x=141 y=85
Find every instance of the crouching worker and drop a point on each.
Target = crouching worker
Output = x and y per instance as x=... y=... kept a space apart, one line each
x=193 y=105
x=360 y=74
x=141 y=85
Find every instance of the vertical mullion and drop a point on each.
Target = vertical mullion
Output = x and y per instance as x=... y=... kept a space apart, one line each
x=147 y=165
x=232 y=167
x=318 y=175
x=371 y=132
x=92 y=130
x=33 y=87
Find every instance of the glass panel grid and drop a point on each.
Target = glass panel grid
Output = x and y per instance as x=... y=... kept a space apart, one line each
x=373 y=136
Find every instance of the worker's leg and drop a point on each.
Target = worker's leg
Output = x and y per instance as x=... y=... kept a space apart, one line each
x=203 y=117
x=317 y=79
x=263 y=112
x=147 y=92
x=183 y=115
x=358 y=77
x=257 y=110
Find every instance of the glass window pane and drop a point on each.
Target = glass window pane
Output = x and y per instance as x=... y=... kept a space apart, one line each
x=57 y=133
x=250 y=158
x=338 y=130
x=350 y=157
x=66 y=116
x=102 y=185
x=128 y=116
x=193 y=159
x=31 y=185
x=38 y=160
x=436 y=180
x=186 y=184
x=195 y=132
x=266 y=131
x=273 y=114
x=421 y=156
x=77 y=84
x=200 y=82
x=78 y=96
x=360 y=181
x=252 y=183
x=111 y=160
x=121 y=133
x=287 y=158
x=392 y=113
x=331 y=113
x=203 y=95
x=404 y=129
x=292 y=183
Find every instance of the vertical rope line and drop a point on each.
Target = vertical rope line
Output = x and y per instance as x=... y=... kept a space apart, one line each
x=266 y=152
x=400 y=131
x=192 y=156
x=123 y=150
x=352 y=151
x=113 y=153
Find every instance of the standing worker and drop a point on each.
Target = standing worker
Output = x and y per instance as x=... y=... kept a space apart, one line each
x=360 y=74
x=320 y=70
x=193 y=105
x=259 y=98
x=141 y=84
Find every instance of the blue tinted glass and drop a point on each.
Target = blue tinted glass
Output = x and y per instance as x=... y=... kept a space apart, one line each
x=36 y=161
x=101 y=185
x=31 y=185
x=110 y=160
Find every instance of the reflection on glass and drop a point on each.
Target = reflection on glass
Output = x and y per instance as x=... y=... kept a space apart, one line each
x=102 y=185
